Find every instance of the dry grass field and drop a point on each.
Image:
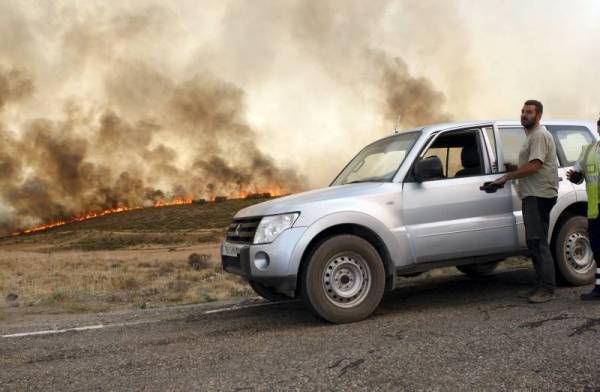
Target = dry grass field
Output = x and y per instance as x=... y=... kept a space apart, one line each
x=136 y=258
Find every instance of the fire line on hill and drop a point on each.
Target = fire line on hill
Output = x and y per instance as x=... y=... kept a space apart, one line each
x=158 y=204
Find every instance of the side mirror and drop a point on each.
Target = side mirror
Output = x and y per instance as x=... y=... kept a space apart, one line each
x=429 y=168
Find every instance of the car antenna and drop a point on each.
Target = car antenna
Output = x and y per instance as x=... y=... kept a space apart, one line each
x=396 y=128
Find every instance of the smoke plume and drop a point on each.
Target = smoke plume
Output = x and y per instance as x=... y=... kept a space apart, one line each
x=58 y=169
x=95 y=114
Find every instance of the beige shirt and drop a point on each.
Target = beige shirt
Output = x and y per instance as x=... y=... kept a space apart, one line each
x=539 y=145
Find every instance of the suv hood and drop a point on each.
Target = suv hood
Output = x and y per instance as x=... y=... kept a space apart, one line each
x=299 y=201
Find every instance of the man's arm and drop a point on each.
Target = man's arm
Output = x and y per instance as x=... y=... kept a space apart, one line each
x=538 y=150
x=524 y=171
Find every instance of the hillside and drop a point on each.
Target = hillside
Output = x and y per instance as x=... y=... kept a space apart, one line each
x=179 y=217
x=190 y=223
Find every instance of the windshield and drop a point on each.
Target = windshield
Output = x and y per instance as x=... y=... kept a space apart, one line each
x=378 y=162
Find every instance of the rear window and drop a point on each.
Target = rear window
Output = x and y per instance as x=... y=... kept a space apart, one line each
x=569 y=142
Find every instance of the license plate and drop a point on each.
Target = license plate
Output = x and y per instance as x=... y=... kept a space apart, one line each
x=231 y=250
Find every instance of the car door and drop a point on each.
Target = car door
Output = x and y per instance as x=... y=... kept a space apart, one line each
x=569 y=140
x=510 y=140
x=452 y=218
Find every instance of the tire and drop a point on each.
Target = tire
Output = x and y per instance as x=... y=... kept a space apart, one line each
x=573 y=252
x=266 y=292
x=343 y=280
x=479 y=269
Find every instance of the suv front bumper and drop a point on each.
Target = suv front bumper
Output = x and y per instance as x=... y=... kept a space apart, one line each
x=277 y=275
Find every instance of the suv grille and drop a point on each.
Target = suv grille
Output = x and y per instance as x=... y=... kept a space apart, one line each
x=243 y=229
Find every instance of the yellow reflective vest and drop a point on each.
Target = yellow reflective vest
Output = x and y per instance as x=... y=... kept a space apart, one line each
x=591 y=169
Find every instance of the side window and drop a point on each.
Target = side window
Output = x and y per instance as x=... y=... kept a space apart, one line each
x=569 y=141
x=460 y=153
x=512 y=139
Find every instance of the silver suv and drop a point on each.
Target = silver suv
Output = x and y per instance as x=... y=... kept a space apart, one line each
x=405 y=204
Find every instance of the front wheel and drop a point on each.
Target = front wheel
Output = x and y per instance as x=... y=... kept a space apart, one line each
x=344 y=279
x=573 y=252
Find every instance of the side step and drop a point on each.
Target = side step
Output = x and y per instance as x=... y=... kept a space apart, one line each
x=417 y=268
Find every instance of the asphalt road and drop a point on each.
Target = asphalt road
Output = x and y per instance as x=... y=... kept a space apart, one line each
x=446 y=333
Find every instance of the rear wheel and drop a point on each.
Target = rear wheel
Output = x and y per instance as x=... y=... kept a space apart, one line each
x=344 y=279
x=573 y=252
x=477 y=270
x=267 y=292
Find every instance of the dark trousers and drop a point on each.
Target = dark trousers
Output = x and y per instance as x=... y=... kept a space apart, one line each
x=594 y=233
x=536 y=216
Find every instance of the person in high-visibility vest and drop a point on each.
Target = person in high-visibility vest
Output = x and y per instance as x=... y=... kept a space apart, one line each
x=588 y=168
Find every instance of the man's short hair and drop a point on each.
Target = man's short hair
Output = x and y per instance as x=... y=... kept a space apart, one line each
x=598 y=122
x=538 y=105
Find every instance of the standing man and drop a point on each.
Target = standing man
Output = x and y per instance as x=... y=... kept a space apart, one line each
x=538 y=189
x=588 y=167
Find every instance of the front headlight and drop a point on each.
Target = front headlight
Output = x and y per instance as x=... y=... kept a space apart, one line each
x=271 y=226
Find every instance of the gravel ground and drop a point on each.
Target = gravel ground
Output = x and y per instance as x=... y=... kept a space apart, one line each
x=443 y=333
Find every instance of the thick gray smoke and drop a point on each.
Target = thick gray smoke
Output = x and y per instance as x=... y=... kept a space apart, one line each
x=157 y=128
x=342 y=42
x=413 y=100
x=51 y=171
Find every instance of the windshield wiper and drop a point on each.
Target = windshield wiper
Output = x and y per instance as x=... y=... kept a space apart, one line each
x=365 y=180
x=356 y=182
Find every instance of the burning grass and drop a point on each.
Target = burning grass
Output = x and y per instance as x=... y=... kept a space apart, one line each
x=97 y=214
x=185 y=217
x=244 y=197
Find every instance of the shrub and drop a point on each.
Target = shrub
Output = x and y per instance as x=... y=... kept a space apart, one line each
x=199 y=261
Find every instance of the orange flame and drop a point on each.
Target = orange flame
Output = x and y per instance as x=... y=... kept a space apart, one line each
x=107 y=211
x=175 y=202
x=242 y=194
x=274 y=191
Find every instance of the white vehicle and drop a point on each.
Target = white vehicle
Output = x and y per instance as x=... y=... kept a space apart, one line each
x=406 y=204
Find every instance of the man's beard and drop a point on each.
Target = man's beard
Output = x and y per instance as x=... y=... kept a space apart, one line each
x=527 y=125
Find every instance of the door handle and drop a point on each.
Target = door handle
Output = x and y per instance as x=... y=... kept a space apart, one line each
x=490 y=187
